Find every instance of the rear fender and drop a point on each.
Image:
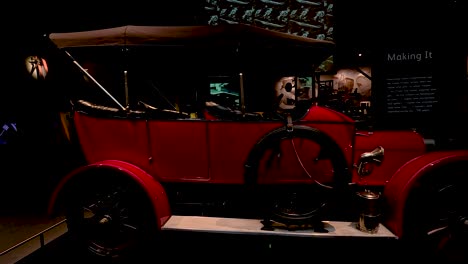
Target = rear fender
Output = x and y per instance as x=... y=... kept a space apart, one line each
x=397 y=190
x=153 y=189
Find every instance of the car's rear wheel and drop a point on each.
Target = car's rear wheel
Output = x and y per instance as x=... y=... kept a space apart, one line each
x=436 y=216
x=110 y=219
x=301 y=173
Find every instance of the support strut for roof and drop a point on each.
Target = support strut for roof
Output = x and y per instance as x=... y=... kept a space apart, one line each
x=241 y=84
x=95 y=81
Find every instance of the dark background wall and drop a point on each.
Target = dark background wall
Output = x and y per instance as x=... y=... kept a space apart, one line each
x=359 y=25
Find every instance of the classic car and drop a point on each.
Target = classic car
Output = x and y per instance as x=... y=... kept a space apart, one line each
x=225 y=121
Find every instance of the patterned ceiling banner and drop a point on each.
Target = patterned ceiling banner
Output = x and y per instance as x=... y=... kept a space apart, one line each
x=312 y=19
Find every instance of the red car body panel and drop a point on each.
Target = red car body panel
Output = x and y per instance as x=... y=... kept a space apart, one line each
x=195 y=150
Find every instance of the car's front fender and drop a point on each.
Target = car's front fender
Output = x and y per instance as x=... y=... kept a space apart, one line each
x=397 y=190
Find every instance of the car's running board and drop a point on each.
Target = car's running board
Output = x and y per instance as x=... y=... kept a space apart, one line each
x=254 y=227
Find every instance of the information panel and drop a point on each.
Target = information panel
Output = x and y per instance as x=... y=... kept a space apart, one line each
x=408 y=82
x=410 y=94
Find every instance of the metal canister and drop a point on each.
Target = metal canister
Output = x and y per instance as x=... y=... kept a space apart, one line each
x=369 y=211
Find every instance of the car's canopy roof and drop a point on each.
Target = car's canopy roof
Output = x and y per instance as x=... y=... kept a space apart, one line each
x=176 y=35
x=244 y=37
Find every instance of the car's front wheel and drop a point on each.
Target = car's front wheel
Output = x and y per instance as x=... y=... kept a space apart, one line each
x=110 y=218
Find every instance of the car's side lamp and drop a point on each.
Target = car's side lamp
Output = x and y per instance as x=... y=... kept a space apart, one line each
x=368 y=160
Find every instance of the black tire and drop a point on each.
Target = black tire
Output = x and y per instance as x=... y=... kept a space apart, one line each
x=436 y=216
x=298 y=205
x=109 y=217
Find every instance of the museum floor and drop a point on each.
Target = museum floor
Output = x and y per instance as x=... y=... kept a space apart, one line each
x=23 y=232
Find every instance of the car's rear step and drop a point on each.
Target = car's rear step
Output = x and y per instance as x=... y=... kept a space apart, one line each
x=254 y=227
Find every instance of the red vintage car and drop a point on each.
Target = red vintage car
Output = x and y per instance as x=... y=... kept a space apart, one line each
x=224 y=122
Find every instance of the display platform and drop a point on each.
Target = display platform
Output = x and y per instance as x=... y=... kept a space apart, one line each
x=334 y=229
